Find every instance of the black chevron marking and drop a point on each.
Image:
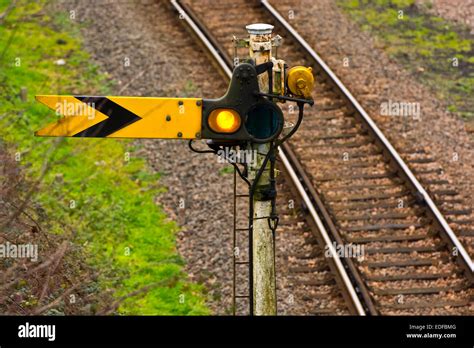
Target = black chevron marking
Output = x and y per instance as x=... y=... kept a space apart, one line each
x=118 y=117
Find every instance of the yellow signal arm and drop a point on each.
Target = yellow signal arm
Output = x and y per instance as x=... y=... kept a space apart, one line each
x=123 y=117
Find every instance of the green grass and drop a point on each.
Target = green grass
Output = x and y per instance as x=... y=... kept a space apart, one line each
x=92 y=185
x=226 y=170
x=424 y=44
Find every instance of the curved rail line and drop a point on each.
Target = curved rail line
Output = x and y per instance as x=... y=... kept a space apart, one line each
x=391 y=153
x=354 y=285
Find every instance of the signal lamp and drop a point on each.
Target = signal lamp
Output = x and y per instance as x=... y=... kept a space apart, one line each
x=224 y=121
x=264 y=122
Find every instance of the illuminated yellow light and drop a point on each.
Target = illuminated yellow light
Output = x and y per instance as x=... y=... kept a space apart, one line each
x=224 y=121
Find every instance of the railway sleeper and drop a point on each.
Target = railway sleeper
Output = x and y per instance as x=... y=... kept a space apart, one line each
x=461 y=222
x=386 y=216
x=336 y=177
x=385 y=227
x=387 y=238
x=409 y=276
x=336 y=136
x=421 y=171
x=405 y=250
x=466 y=233
x=416 y=291
x=420 y=160
x=331 y=115
x=443 y=200
x=325 y=155
x=353 y=144
x=366 y=197
x=410 y=151
x=321 y=295
x=308 y=269
x=330 y=106
x=349 y=165
x=351 y=187
x=316 y=252
x=346 y=124
x=408 y=203
x=316 y=282
x=427 y=304
x=346 y=169
x=407 y=263
x=428 y=181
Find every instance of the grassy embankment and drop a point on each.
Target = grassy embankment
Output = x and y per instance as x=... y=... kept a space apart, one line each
x=100 y=187
x=440 y=53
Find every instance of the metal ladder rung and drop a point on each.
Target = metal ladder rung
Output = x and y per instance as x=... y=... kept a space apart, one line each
x=241 y=262
x=242 y=296
x=261 y=217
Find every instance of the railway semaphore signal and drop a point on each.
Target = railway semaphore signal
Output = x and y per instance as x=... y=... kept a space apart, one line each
x=247 y=116
x=243 y=114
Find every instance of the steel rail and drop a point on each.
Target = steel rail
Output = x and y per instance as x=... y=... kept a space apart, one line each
x=391 y=153
x=216 y=53
x=342 y=272
x=322 y=229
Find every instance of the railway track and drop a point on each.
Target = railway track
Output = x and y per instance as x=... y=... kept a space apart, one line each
x=354 y=186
